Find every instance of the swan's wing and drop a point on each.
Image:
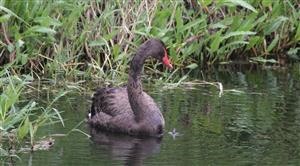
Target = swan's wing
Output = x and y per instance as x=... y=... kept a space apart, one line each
x=112 y=101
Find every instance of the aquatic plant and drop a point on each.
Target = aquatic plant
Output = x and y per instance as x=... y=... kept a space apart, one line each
x=21 y=119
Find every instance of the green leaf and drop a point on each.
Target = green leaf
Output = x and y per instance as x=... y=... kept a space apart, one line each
x=192 y=24
x=217 y=39
x=192 y=66
x=266 y=3
x=59 y=116
x=161 y=18
x=243 y=4
x=254 y=40
x=273 y=43
x=218 y=25
x=239 y=42
x=293 y=53
x=4 y=18
x=46 y=21
x=4 y=153
x=100 y=42
x=116 y=51
x=23 y=129
x=263 y=60
x=238 y=33
x=297 y=36
x=110 y=35
x=20 y=43
x=2 y=8
x=206 y=2
x=274 y=25
x=261 y=19
x=31 y=132
x=10 y=47
x=42 y=29
x=24 y=59
x=59 y=95
x=121 y=56
x=178 y=18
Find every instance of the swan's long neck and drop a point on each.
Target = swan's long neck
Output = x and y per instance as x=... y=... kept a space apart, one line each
x=134 y=86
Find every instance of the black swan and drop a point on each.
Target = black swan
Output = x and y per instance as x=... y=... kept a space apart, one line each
x=129 y=109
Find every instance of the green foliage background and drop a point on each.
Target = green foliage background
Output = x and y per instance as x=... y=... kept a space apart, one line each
x=97 y=38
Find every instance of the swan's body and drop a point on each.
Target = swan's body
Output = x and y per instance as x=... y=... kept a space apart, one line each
x=128 y=109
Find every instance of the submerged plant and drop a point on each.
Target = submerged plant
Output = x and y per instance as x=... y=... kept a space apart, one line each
x=21 y=119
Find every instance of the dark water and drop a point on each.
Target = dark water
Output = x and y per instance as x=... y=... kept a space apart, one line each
x=255 y=122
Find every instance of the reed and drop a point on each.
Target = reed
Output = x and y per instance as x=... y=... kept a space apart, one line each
x=95 y=39
x=21 y=119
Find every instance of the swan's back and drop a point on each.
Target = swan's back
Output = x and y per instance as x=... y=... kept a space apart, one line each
x=112 y=101
x=130 y=110
x=111 y=111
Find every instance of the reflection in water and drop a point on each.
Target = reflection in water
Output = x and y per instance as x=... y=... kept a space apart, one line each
x=125 y=148
x=255 y=122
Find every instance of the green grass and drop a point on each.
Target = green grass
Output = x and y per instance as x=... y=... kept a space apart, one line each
x=21 y=119
x=95 y=39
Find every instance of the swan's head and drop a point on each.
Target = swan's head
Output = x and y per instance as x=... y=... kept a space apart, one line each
x=157 y=49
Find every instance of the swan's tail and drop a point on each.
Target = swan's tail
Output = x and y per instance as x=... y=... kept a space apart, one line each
x=96 y=102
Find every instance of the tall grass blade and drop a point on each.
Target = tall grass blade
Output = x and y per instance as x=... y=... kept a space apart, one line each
x=243 y=4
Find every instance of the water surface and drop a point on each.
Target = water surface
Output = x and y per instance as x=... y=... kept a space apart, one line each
x=255 y=122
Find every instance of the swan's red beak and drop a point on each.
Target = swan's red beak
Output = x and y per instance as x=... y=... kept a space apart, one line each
x=166 y=61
